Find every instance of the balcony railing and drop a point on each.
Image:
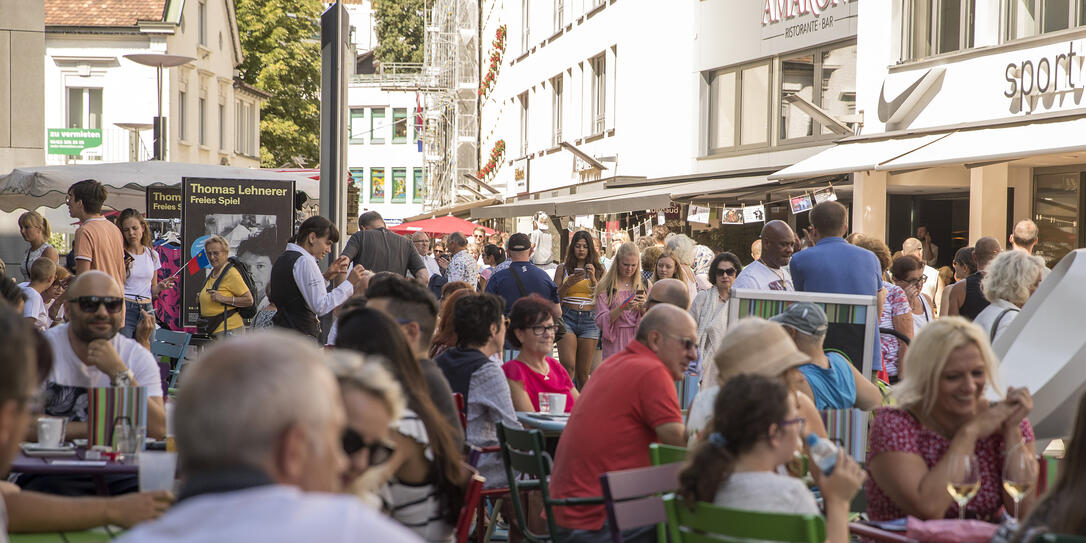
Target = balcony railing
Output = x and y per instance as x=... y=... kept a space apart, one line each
x=394 y=74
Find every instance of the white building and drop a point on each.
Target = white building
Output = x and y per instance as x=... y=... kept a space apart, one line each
x=973 y=116
x=213 y=118
x=383 y=152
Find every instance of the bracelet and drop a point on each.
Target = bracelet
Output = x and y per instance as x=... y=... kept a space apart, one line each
x=231 y=300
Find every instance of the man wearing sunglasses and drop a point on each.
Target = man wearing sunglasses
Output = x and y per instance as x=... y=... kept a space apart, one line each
x=633 y=391
x=88 y=352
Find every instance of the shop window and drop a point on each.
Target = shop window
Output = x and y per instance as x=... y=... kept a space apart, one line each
x=739 y=107
x=797 y=78
x=357 y=128
x=938 y=26
x=377 y=185
x=1057 y=208
x=399 y=185
x=377 y=125
x=834 y=69
x=399 y=125
x=838 y=77
x=1025 y=18
x=418 y=189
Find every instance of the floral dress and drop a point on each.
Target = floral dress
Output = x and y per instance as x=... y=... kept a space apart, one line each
x=897 y=304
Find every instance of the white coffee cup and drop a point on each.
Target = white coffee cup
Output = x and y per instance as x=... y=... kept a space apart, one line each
x=50 y=432
x=157 y=470
x=556 y=403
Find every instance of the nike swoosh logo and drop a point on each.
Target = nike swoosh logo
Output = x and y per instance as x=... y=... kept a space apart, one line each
x=894 y=111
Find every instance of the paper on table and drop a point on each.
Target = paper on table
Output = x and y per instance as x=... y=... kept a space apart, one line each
x=81 y=463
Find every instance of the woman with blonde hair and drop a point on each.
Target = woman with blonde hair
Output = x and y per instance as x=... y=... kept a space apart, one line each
x=224 y=291
x=942 y=415
x=620 y=300
x=35 y=230
x=1012 y=278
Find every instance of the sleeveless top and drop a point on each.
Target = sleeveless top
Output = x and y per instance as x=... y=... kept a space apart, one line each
x=31 y=256
x=293 y=312
x=835 y=387
x=974 y=302
x=920 y=320
x=580 y=293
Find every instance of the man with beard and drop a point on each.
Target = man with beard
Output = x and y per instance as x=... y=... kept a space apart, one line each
x=88 y=352
x=770 y=270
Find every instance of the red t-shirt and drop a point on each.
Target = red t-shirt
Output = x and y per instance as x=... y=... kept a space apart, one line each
x=556 y=381
x=625 y=400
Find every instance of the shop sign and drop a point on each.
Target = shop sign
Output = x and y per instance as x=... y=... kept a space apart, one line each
x=520 y=174
x=72 y=141
x=792 y=24
x=1036 y=84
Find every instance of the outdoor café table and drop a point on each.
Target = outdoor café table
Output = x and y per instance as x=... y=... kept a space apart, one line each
x=64 y=465
x=550 y=425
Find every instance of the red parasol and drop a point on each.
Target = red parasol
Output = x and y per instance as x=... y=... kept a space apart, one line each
x=438 y=226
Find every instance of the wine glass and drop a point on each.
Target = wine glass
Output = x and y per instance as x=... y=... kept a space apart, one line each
x=963 y=480
x=1019 y=473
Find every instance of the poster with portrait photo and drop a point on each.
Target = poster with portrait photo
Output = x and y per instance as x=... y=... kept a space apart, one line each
x=801 y=204
x=824 y=195
x=753 y=214
x=256 y=219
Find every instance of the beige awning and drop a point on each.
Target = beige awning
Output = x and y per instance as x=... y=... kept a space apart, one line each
x=642 y=197
x=859 y=156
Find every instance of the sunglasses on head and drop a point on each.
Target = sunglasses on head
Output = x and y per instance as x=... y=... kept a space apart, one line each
x=89 y=304
x=379 y=452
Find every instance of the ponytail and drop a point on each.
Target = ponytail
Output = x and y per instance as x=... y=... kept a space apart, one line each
x=746 y=406
x=45 y=232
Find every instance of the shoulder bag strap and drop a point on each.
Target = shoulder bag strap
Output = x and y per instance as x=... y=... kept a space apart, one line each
x=225 y=308
x=520 y=284
x=995 y=325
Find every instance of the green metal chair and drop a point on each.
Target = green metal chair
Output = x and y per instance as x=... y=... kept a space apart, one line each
x=523 y=453
x=707 y=523
x=1059 y=538
x=660 y=454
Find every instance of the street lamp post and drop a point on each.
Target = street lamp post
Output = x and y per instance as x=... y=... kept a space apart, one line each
x=159 y=61
x=133 y=130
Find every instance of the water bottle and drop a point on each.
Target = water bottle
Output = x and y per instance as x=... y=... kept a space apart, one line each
x=823 y=453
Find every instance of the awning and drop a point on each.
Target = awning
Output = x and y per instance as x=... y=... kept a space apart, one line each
x=854 y=157
x=525 y=208
x=626 y=199
x=459 y=210
x=997 y=144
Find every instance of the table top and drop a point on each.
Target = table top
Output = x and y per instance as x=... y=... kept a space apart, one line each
x=56 y=465
x=550 y=424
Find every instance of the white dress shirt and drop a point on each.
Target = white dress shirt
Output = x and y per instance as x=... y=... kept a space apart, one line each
x=311 y=283
x=270 y=514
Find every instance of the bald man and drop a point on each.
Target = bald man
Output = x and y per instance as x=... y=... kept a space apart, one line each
x=668 y=291
x=966 y=298
x=770 y=272
x=88 y=352
x=1025 y=235
x=634 y=391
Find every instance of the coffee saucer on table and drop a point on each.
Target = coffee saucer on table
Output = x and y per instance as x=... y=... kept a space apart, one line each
x=34 y=449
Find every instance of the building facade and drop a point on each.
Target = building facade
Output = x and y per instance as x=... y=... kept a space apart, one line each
x=92 y=90
x=972 y=120
x=21 y=106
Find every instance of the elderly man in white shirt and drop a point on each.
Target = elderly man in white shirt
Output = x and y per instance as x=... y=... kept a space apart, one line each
x=421 y=241
x=271 y=470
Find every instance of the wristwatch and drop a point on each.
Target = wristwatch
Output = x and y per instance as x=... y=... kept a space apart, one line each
x=123 y=379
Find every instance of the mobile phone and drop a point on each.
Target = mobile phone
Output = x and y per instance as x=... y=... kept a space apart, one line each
x=640 y=292
x=578 y=270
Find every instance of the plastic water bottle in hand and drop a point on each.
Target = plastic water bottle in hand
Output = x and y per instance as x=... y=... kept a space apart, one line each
x=823 y=453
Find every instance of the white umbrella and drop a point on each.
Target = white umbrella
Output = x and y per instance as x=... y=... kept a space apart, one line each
x=126 y=182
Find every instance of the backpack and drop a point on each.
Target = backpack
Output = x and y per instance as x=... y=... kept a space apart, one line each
x=247 y=313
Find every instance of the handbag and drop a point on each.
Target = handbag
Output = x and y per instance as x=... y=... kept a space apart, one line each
x=560 y=327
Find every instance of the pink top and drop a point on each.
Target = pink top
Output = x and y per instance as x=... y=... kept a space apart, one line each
x=896 y=430
x=556 y=381
x=615 y=336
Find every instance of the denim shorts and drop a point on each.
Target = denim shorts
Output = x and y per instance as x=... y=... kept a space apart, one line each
x=132 y=316
x=581 y=323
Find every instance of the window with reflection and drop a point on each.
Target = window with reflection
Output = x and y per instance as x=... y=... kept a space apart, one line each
x=739 y=101
x=934 y=27
x=1057 y=199
x=1025 y=18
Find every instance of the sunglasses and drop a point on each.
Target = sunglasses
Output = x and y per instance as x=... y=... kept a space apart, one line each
x=379 y=451
x=89 y=304
x=730 y=272
x=686 y=342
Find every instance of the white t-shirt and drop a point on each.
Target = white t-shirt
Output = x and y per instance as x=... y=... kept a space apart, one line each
x=35 y=308
x=70 y=374
x=767 y=492
x=138 y=283
x=761 y=277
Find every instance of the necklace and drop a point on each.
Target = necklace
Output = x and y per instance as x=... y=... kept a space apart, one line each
x=546 y=372
x=776 y=271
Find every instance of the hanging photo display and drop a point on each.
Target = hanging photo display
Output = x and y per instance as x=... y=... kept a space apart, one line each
x=752 y=214
x=584 y=221
x=255 y=217
x=698 y=214
x=801 y=203
x=661 y=218
x=732 y=215
x=825 y=195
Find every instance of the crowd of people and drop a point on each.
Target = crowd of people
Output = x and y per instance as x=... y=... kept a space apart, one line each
x=338 y=414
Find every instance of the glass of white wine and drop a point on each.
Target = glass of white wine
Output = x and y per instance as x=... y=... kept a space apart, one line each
x=1019 y=474
x=963 y=481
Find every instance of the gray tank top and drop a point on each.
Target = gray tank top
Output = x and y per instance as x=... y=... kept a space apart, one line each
x=31 y=256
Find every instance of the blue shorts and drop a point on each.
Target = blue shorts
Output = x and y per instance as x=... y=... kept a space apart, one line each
x=132 y=316
x=581 y=323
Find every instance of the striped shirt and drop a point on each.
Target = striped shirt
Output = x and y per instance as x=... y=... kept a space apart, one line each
x=416 y=506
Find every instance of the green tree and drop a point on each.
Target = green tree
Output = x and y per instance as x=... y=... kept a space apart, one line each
x=281 y=44
x=400 y=24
